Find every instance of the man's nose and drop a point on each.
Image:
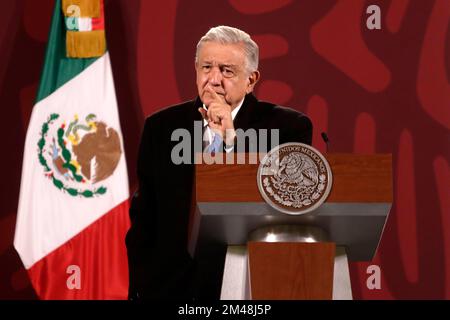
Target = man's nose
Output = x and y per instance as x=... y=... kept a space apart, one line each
x=215 y=77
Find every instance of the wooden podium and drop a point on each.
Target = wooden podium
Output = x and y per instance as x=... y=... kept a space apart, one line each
x=229 y=210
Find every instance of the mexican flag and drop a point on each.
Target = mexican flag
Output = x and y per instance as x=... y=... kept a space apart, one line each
x=73 y=208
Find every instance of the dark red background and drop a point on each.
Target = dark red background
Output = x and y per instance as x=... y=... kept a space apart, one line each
x=373 y=91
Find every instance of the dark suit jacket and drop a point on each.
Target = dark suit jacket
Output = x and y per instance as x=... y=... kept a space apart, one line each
x=160 y=266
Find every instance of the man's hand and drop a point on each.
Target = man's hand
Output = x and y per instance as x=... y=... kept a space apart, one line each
x=219 y=117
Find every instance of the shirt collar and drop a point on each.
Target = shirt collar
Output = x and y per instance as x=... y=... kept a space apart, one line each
x=233 y=113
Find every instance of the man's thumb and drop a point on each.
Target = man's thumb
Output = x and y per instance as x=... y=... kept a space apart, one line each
x=203 y=113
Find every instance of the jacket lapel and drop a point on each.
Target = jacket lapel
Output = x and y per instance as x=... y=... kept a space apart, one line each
x=247 y=114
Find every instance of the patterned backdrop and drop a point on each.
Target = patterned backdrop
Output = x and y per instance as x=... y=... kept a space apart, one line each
x=372 y=91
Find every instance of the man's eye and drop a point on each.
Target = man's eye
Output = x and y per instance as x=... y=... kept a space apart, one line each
x=206 y=68
x=228 y=72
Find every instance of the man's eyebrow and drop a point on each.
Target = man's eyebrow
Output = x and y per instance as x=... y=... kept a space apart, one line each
x=222 y=65
x=228 y=65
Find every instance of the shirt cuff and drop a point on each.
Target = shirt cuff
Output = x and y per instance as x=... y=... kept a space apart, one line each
x=228 y=149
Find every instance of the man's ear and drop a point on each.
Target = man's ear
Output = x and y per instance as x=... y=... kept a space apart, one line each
x=252 y=80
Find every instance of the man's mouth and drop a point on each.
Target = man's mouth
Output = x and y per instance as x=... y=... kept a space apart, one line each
x=219 y=93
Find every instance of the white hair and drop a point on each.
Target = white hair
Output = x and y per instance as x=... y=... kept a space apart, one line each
x=230 y=35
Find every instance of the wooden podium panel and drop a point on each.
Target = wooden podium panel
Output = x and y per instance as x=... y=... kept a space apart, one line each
x=291 y=271
x=356 y=178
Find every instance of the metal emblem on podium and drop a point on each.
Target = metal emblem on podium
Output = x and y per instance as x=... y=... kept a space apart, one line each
x=294 y=178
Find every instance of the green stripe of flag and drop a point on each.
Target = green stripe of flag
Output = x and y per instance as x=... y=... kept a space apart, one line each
x=58 y=69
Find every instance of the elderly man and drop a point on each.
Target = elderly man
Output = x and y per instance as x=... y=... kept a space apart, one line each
x=226 y=65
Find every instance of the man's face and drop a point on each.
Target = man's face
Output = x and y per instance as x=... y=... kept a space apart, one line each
x=223 y=68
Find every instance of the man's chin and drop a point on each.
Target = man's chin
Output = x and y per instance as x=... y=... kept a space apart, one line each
x=206 y=101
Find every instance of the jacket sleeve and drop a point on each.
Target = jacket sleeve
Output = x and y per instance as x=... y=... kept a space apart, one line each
x=298 y=129
x=140 y=237
x=303 y=130
x=159 y=265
